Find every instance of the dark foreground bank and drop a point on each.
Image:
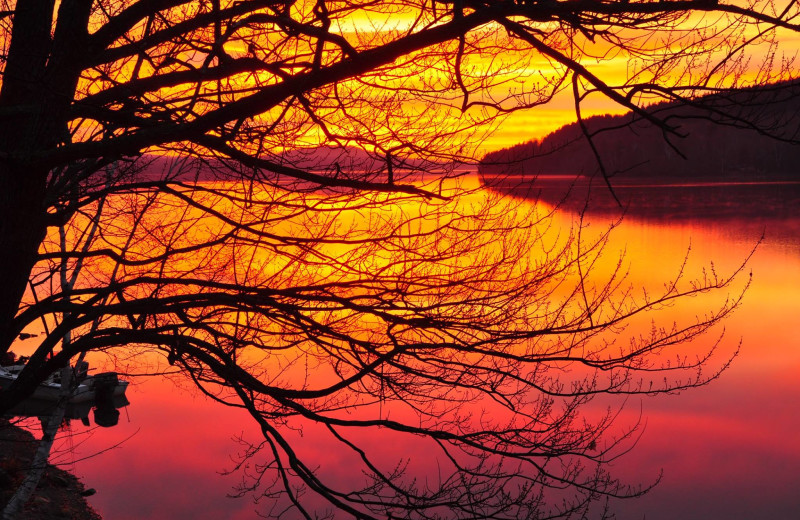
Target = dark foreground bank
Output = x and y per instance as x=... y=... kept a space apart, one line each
x=59 y=495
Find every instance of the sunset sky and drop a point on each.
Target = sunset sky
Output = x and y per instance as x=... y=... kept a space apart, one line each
x=391 y=333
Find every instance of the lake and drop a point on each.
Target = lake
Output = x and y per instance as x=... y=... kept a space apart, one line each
x=727 y=450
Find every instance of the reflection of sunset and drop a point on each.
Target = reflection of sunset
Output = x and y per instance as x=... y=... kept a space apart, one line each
x=697 y=420
x=430 y=263
x=269 y=205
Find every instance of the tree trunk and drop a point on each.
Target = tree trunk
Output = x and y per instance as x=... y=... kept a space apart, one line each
x=39 y=83
x=39 y=463
x=22 y=229
x=23 y=123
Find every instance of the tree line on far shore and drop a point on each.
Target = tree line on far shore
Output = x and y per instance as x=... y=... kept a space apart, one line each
x=747 y=134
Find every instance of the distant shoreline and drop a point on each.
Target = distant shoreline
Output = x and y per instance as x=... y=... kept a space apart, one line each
x=758 y=200
x=627 y=182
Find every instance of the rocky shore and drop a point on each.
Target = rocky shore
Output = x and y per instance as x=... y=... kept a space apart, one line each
x=59 y=496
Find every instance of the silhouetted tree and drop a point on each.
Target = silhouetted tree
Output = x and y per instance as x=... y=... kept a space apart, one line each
x=317 y=276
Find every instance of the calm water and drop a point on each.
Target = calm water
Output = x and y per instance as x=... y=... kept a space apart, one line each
x=728 y=450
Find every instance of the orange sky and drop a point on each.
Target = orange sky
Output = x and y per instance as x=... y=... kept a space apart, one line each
x=494 y=71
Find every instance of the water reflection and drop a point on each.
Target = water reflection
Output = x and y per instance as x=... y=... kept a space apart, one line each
x=729 y=450
x=736 y=208
x=712 y=442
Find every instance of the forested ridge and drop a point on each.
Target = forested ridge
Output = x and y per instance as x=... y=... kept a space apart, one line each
x=724 y=136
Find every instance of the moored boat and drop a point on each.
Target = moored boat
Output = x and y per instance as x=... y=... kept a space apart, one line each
x=103 y=391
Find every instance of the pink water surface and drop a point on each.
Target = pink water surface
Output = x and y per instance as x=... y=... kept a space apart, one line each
x=728 y=450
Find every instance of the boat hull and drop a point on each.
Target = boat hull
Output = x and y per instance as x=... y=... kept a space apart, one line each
x=49 y=394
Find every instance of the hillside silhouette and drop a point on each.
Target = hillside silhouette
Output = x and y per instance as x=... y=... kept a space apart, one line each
x=733 y=154
x=739 y=135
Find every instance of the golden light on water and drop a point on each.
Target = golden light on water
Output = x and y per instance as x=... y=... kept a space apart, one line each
x=702 y=425
x=475 y=258
x=365 y=304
